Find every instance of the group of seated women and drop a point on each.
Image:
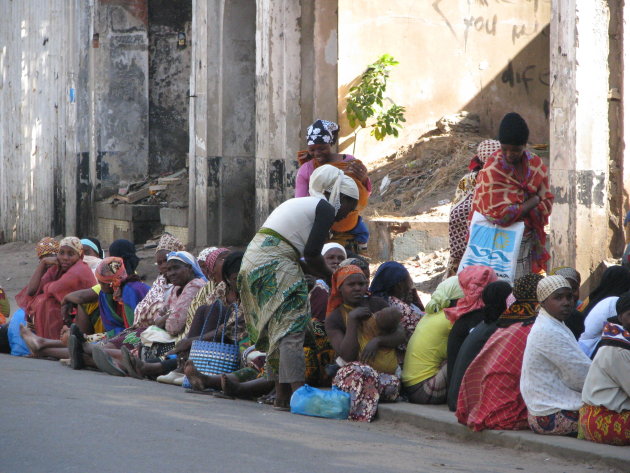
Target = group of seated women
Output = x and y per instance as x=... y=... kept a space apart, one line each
x=502 y=356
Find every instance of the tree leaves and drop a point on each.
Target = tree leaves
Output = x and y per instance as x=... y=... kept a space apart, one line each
x=365 y=101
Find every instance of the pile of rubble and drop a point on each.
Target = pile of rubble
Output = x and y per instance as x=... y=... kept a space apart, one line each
x=425 y=174
x=166 y=191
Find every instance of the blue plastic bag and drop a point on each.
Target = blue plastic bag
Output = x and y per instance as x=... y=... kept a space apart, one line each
x=18 y=346
x=309 y=401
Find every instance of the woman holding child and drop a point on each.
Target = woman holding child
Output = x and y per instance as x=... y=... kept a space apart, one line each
x=364 y=332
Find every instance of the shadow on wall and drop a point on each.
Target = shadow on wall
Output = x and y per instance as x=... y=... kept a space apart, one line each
x=522 y=87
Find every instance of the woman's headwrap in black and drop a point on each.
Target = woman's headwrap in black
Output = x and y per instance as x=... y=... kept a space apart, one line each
x=322 y=132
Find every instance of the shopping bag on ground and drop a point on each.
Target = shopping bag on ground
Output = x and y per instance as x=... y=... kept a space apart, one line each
x=309 y=401
x=18 y=345
x=494 y=246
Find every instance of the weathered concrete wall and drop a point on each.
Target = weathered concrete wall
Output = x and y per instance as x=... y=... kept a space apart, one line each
x=279 y=118
x=221 y=207
x=487 y=57
x=120 y=83
x=169 y=77
x=585 y=155
x=42 y=92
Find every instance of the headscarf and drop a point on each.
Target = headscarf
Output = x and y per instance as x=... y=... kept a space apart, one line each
x=99 y=248
x=567 y=272
x=203 y=254
x=446 y=292
x=47 y=246
x=112 y=271
x=524 y=308
x=615 y=335
x=513 y=130
x=127 y=251
x=386 y=277
x=91 y=244
x=357 y=261
x=494 y=297
x=328 y=178
x=212 y=258
x=329 y=246
x=72 y=242
x=549 y=285
x=615 y=281
x=338 y=278
x=473 y=280
x=169 y=243
x=188 y=259
x=485 y=149
x=322 y=132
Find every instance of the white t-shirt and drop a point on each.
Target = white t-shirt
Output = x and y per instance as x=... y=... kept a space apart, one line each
x=294 y=219
x=594 y=324
x=554 y=368
x=608 y=380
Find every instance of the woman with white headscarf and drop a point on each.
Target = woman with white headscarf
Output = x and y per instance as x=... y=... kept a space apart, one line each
x=271 y=281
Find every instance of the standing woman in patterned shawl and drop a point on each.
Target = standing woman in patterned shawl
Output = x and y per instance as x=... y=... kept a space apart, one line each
x=57 y=276
x=271 y=281
x=513 y=187
x=458 y=220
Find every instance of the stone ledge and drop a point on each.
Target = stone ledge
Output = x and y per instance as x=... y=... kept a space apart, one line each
x=440 y=419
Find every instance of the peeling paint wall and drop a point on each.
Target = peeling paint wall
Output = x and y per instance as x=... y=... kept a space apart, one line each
x=487 y=57
x=42 y=92
x=169 y=76
x=585 y=151
x=121 y=99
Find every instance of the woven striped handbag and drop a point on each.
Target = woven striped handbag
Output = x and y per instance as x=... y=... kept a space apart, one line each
x=216 y=357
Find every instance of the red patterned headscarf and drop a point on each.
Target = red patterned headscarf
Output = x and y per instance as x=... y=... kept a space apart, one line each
x=473 y=280
x=112 y=271
x=342 y=273
x=212 y=258
x=47 y=246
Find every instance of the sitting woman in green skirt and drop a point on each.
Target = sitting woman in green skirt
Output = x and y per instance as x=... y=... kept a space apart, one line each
x=273 y=289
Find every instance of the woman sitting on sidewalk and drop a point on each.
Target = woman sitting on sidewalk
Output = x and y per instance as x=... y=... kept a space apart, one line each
x=424 y=369
x=605 y=415
x=393 y=283
x=554 y=366
x=490 y=395
x=365 y=337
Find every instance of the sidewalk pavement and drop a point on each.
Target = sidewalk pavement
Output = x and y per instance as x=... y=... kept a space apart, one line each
x=439 y=418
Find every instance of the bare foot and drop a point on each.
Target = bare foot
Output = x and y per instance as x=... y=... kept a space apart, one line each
x=229 y=387
x=33 y=342
x=195 y=378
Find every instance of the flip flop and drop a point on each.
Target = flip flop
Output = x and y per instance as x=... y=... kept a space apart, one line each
x=76 y=353
x=105 y=363
x=76 y=331
x=205 y=392
x=128 y=362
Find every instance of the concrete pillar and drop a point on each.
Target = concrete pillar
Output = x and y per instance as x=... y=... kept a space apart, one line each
x=296 y=82
x=583 y=151
x=120 y=78
x=222 y=132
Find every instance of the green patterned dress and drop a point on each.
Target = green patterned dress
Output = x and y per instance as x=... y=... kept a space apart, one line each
x=273 y=292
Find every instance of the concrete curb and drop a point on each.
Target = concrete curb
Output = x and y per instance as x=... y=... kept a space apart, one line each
x=439 y=418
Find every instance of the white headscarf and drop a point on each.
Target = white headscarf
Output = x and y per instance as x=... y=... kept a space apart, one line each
x=329 y=246
x=328 y=178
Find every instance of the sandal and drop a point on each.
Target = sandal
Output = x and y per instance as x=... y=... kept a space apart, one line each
x=105 y=363
x=129 y=363
x=282 y=404
x=76 y=353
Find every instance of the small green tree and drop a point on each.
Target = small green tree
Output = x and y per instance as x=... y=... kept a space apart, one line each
x=365 y=101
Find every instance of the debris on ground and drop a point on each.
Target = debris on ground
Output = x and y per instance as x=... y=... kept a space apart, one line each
x=167 y=191
x=420 y=176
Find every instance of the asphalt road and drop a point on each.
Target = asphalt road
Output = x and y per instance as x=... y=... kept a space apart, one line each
x=58 y=420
